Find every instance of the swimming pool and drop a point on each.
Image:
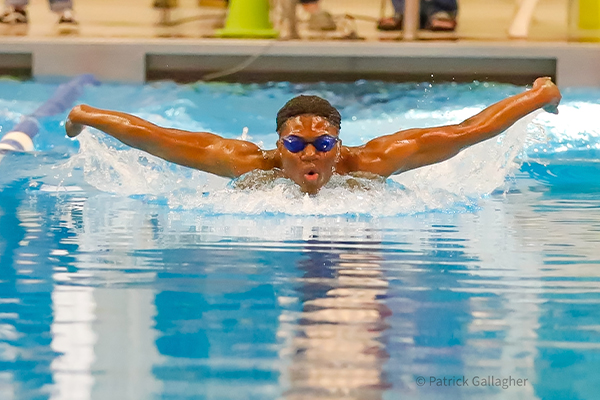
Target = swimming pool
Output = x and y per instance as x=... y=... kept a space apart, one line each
x=123 y=276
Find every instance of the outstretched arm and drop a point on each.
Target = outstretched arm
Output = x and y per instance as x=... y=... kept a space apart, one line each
x=413 y=148
x=199 y=150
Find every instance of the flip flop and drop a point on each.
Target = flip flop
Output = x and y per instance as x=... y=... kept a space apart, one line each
x=390 y=23
x=442 y=21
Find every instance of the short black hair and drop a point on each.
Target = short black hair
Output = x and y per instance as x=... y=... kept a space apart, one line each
x=308 y=105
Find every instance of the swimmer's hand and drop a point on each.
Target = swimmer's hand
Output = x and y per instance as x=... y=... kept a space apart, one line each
x=549 y=93
x=73 y=129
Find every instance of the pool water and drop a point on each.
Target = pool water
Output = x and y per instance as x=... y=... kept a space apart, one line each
x=126 y=277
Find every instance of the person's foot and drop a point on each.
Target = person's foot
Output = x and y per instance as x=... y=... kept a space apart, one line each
x=67 y=24
x=67 y=18
x=14 y=16
x=441 y=21
x=390 y=23
x=321 y=21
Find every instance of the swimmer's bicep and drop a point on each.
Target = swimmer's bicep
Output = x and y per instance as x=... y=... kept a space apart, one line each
x=403 y=151
x=212 y=153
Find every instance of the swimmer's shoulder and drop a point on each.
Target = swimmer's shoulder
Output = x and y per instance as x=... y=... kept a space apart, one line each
x=271 y=159
x=358 y=162
x=349 y=161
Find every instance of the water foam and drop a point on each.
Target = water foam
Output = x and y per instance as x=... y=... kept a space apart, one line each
x=128 y=171
x=574 y=131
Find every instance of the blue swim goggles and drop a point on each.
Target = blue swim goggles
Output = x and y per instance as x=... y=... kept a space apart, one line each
x=296 y=144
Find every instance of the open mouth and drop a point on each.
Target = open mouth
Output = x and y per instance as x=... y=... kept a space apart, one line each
x=311 y=176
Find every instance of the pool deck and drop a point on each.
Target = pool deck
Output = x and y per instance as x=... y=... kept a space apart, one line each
x=130 y=46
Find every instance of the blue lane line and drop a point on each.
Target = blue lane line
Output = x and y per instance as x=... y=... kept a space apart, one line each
x=20 y=138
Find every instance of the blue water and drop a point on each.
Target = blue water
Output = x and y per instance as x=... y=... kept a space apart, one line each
x=125 y=277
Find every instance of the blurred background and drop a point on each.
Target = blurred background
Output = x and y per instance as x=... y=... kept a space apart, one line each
x=475 y=20
x=510 y=41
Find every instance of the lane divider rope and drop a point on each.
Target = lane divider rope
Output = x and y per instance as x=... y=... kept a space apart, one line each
x=20 y=137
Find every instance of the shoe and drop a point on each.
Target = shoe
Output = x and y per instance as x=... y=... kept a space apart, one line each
x=441 y=21
x=67 y=24
x=67 y=18
x=390 y=23
x=14 y=17
x=321 y=21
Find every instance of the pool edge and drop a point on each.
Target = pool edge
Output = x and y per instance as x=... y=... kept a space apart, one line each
x=137 y=60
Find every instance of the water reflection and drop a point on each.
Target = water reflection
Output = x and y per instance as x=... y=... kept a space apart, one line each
x=567 y=284
x=96 y=299
x=337 y=347
x=25 y=309
x=40 y=350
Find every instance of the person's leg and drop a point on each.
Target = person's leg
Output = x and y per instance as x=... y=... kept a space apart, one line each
x=64 y=8
x=393 y=23
x=439 y=15
x=320 y=20
x=59 y=6
x=398 y=6
x=17 y=4
x=14 y=12
x=434 y=6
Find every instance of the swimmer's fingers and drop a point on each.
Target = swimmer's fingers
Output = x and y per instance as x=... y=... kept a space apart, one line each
x=550 y=94
x=552 y=108
x=73 y=129
x=543 y=81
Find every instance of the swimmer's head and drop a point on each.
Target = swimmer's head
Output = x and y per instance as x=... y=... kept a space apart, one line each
x=312 y=105
x=308 y=145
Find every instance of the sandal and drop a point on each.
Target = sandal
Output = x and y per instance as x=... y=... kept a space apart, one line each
x=442 y=21
x=390 y=23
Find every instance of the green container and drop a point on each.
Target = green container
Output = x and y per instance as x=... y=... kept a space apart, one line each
x=248 y=19
x=584 y=20
x=589 y=14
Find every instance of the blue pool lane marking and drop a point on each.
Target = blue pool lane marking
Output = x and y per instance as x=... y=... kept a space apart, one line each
x=20 y=138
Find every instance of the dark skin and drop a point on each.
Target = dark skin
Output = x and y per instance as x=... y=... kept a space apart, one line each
x=310 y=169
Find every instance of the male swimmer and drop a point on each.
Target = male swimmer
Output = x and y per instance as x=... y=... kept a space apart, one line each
x=309 y=150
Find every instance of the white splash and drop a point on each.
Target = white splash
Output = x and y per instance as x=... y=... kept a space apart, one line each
x=130 y=171
x=451 y=186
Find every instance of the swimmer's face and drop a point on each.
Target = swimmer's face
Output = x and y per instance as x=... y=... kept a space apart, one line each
x=309 y=168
